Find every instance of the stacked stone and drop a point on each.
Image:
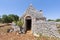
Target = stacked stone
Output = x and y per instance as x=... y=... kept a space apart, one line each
x=15 y=27
x=46 y=28
x=18 y=28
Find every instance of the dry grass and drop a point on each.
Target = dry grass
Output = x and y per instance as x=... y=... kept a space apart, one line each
x=15 y=36
x=47 y=38
x=4 y=29
x=58 y=26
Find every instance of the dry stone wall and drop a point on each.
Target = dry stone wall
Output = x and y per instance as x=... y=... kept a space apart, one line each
x=45 y=28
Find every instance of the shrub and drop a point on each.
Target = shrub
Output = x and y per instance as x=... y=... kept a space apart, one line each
x=9 y=18
x=20 y=23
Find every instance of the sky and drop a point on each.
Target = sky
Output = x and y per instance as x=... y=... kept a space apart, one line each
x=51 y=8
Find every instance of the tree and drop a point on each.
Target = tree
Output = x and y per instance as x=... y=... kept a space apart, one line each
x=0 y=20
x=50 y=20
x=57 y=20
x=9 y=18
x=14 y=17
x=4 y=18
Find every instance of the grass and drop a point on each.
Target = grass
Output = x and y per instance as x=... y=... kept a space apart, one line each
x=4 y=28
x=58 y=26
x=46 y=38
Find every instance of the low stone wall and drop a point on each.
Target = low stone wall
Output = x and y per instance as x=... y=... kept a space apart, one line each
x=45 y=28
x=15 y=28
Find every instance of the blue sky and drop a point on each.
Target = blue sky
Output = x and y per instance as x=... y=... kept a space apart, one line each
x=51 y=8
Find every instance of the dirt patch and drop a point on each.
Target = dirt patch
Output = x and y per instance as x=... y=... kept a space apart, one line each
x=16 y=36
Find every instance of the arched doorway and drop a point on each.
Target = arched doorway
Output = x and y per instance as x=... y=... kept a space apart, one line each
x=28 y=22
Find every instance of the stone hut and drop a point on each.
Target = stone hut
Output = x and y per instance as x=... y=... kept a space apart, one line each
x=32 y=15
x=37 y=23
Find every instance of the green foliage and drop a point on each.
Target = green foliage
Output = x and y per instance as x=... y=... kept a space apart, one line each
x=20 y=23
x=57 y=20
x=9 y=18
x=50 y=20
x=0 y=20
x=5 y=19
x=14 y=17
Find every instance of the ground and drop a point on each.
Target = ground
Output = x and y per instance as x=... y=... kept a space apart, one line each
x=15 y=36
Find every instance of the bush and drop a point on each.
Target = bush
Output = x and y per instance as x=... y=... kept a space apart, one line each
x=1 y=20
x=13 y=17
x=20 y=23
x=9 y=18
x=50 y=20
x=57 y=20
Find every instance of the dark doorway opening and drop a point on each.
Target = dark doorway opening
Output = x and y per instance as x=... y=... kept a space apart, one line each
x=28 y=24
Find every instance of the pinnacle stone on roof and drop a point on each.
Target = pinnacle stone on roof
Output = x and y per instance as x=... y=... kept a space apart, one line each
x=31 y=5
x=33 y=12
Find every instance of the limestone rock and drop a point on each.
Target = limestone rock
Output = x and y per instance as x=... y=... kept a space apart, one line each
x=46 y=28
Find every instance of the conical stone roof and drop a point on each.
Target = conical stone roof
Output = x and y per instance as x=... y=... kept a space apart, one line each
x=33 y=12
